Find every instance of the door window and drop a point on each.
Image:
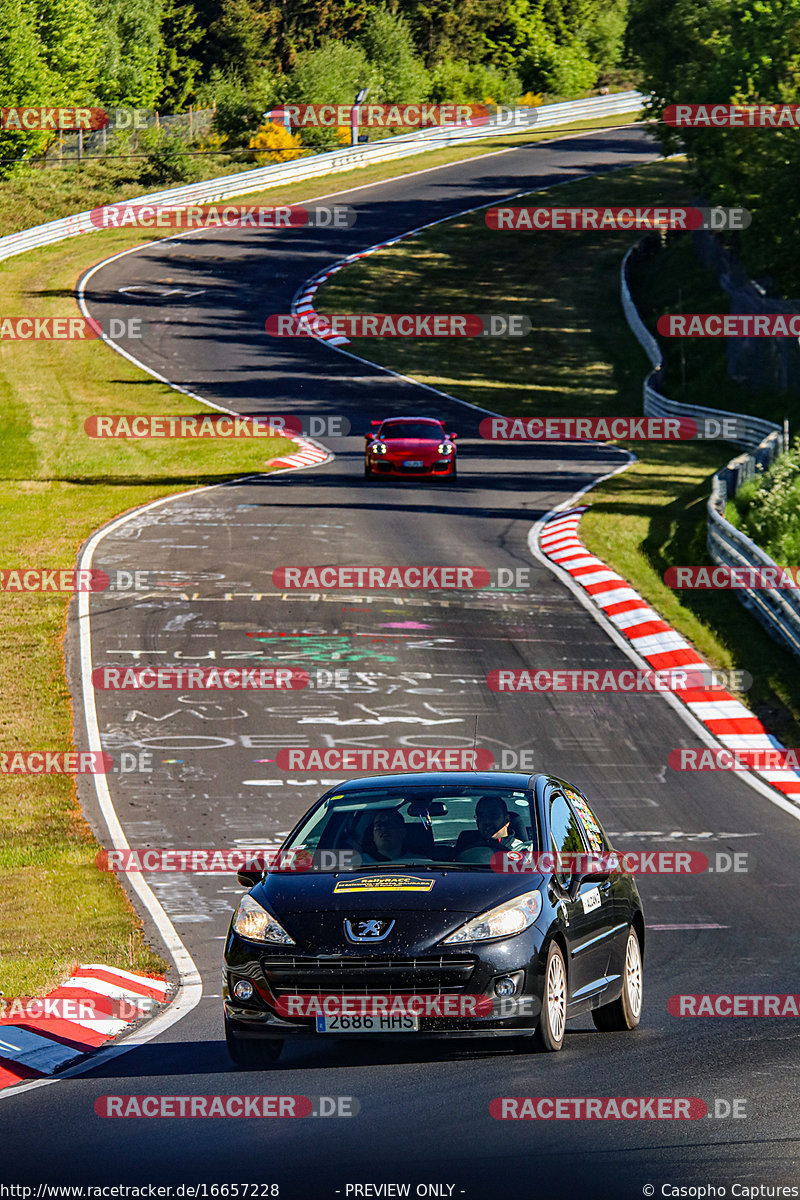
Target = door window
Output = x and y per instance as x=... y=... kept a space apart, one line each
x=565 y=833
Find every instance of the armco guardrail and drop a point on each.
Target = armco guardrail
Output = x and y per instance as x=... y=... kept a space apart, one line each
x=258 y=179
x=777 y=610
x=753 y=430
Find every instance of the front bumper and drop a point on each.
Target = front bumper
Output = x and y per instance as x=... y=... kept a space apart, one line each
x=454 y=980
x=380 y=466
x=247 y=1024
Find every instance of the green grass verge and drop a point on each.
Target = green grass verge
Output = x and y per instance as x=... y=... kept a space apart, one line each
x=582 y=360
x=56 y=487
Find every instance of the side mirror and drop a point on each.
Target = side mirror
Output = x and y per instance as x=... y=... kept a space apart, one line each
x=453 y=437
x=369 y=437
x=577 y=880
x=249 y=879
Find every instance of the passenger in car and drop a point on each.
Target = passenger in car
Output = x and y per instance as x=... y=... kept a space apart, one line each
x=391 y=838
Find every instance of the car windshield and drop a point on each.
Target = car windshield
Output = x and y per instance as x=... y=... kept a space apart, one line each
x=462 y=826
x=412 y=429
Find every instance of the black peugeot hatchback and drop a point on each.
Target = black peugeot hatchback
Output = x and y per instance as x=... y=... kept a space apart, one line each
x=445 y=904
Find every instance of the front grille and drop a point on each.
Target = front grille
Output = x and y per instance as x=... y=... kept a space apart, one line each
x=295 y=975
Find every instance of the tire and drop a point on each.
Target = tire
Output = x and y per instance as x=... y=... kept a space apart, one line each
x=624 y=1013
x=367 y=471
x=553 y=1021
x=252 y=1053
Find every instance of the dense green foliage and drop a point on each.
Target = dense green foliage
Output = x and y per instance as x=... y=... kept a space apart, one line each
x=740 y=52
x=767 y=508
x=245 y=55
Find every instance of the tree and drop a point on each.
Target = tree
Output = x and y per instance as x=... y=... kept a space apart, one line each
x=129 y=34
x=239 y=110
x=239 y=39
x=25 y=79
x=332 y=74
x=444 y=30
x=176 y=66
x=387 y=43
x=732 y=52
x=541 y=39
x=69 y=47
x=459 y=82
x=308 y=24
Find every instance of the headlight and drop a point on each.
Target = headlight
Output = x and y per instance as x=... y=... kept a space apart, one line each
x=445 y=448
x=378 y=448
x=501 y=922
x=254 y=922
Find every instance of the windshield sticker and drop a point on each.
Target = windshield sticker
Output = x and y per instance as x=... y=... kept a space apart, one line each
x=385 y=883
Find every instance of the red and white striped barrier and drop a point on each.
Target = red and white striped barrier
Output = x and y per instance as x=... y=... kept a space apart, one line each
x=731 y=722
x=31 y=1046
x=308 y=455
x=303 y=303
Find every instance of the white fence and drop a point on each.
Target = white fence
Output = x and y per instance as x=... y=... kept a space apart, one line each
x=258 y=179
x=777 y=610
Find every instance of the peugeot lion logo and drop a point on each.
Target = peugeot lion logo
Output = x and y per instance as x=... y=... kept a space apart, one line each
x=368 y=931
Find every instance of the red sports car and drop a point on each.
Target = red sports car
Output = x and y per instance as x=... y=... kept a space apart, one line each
x=410 y=446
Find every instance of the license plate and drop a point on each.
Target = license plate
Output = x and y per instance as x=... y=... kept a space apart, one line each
x=414 y=462
x=381 y=1023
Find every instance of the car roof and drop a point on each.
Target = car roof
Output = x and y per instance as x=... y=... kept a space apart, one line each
x=416 y=420
x=514 y=779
